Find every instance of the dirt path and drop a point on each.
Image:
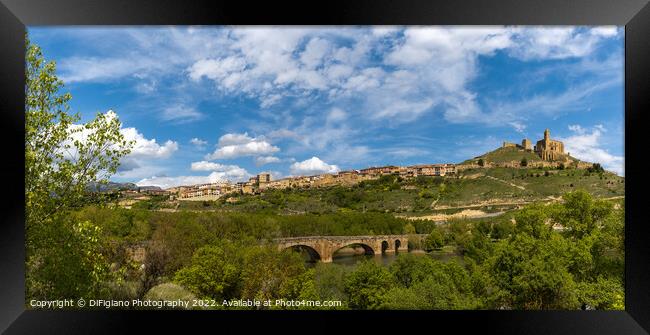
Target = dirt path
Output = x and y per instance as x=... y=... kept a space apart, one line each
x=509 y=183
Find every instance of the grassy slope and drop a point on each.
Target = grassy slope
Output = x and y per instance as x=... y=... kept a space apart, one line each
x=503 y=155
x=413 y=195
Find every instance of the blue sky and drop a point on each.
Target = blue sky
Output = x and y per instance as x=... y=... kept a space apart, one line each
x=212 y=103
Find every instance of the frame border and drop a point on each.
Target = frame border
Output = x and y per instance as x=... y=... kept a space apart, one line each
x=634 y=14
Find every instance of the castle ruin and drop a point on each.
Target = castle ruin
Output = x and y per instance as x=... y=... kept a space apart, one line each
x=546 y=148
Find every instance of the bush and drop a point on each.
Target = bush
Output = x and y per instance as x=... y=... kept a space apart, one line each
x=367 y=284
x=435 y=240
x=169 y=291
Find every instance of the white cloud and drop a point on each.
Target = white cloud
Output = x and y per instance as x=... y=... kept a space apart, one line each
x=518 y=126
x=283 y=133
x=180 y=113
x=234 y=139
x=220 y=172
x=142 y=148
x=557 y=42
x=415 y=71
x=211 y=166
x=198 y=142
x=312 y=166
x=336 y=115
x=143 y=154
x=239 y=145
x=575 y=98
x=605 y=31
x=586 y=145
x=148 y=148
x=232 y=172
x=167 y=182
x=216 y=69
x=259 y=161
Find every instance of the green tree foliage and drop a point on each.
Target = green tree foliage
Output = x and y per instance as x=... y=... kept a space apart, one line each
x=537 y=268
x=271 y=274
x=367 y=284
x=424 y=283
x=596 y=168
x=62 y=158
x=214 y=272
x=524 y=162
x=581 y=214
x=435 y=240
x=226 y=270
x=169 y=292
x=330 y=281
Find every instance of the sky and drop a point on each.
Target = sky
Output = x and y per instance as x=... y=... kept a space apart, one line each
x=212 y=103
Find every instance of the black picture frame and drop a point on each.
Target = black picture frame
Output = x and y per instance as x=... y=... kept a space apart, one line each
x=633 y=14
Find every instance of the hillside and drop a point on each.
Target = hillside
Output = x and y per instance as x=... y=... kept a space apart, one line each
x=512 y=154
x=503 y=155
x=485 y=187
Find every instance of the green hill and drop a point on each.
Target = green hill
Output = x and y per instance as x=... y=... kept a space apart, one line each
x=393 y=194
x=503 y=155
x=509 y=154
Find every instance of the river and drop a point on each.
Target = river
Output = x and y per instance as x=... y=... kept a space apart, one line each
x=352 y=259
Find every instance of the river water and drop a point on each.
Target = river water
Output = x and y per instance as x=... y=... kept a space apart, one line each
x=352 y=259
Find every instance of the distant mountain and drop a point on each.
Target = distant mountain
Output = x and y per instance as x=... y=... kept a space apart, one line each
x=149 y=188
x=113 y=186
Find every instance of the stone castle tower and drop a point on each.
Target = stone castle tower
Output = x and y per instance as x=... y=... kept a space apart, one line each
x=549 y=149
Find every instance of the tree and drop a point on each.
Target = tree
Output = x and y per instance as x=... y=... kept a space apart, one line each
x=581 y=214
x=532 y=221
x=533 y=273
x=367 y=284
x=268 y=273
x=481 y=162
x=596 y=167
x=524 y=162
x=409 y=229
x=424 y=283
x=169 y=291
x=435 y=240
x=61 y=159
x=214 y=272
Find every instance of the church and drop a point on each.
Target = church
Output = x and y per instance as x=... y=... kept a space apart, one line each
x=549 y=149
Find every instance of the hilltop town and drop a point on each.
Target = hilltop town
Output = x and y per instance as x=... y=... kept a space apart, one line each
x=546 y=153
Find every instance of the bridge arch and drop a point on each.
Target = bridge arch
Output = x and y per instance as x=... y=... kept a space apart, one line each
x=384 y=246
x=398 y=245
x=313 y=253
x=368 y=250
x=323 y=247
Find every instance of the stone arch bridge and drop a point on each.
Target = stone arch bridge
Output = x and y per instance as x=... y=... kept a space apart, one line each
x=323 y=247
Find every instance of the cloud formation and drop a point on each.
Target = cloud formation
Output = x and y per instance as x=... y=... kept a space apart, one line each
x=240 y=145
x=586 y=145
x=312 y=166
x=167 y=182
x=198 y=142
x=263 y=160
